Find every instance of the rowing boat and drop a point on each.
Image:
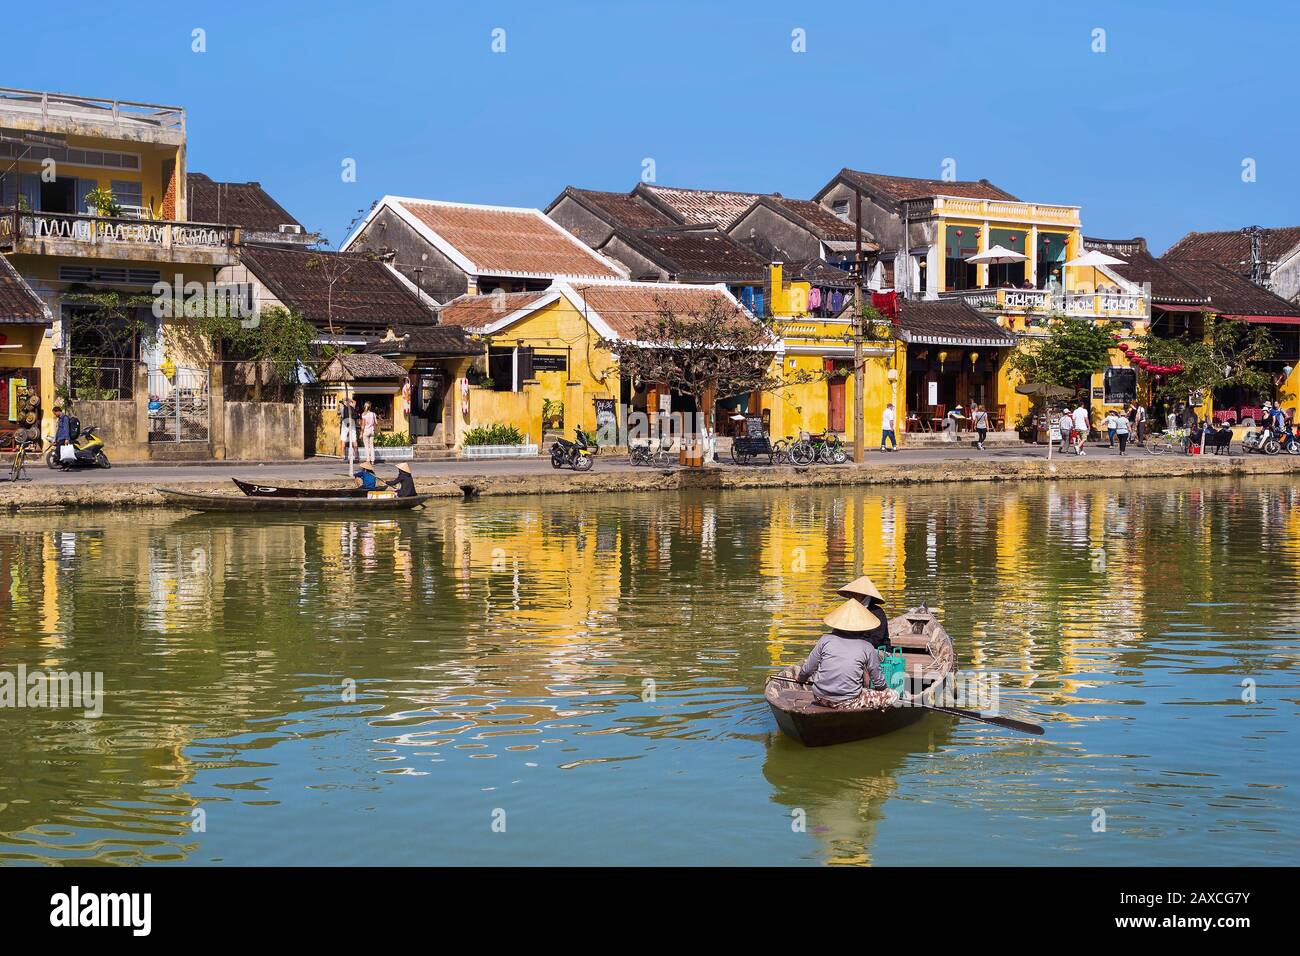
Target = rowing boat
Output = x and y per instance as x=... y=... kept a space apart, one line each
x=279 y=491
x=200 y=502
x=929 y=655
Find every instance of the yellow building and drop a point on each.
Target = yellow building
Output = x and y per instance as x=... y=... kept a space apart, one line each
x=93 y=215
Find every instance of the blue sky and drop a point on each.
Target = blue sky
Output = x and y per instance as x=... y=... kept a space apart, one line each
x=1148 y=137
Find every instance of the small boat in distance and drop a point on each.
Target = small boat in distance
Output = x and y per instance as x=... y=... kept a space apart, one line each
x=384 y=501
x=929 y=656
x=280 y=491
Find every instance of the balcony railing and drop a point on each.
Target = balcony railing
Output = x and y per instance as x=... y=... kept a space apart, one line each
x=1107 y=305
x=159 y=234
x=998 y=210
x=56 y=106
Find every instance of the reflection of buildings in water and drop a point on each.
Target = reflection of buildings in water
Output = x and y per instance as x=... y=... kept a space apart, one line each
x=842 y=790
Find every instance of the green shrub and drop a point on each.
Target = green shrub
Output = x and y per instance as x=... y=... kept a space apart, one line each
x=392 y=439
x=494 y=435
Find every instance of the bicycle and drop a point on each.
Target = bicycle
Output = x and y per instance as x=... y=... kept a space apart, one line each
x=1172 y=441
x=659 y=452
x=19 y=465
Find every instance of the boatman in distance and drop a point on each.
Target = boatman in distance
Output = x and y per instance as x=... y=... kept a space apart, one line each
x=844 y=667
x=403 y=481
x=865 y=591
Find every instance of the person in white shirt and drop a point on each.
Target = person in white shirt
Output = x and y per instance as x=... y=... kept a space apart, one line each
x=1121 y=432
x=981 y=423
x=1081 y=428
x=887 y=428
x=1067 y=429
x=1109 y=423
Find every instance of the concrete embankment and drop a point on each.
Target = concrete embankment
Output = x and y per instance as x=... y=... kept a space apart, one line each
x=34 y=497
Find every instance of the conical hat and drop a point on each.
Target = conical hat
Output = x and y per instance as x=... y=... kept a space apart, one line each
x=862 y=587
x=851 y=616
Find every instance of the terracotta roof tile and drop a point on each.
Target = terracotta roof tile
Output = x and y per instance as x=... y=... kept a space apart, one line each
x=366 y=294
x=952 y=320
x=820 y=221
x=701 y=206
x=473 y=312
x=623 y=306
x=360 y=365
x=1142 y=267
x=18 y=303
x=1231 y=293
x=697 y=254
x=623 y=210
x=898 y=188
x=247 y=205
x=426 y=339
x=1231 y=248
x=504 y=241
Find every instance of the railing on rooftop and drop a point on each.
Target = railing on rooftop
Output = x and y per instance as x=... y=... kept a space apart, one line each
x=1127 y=305
x=19 y=224
x=53 y=105
x=1000 y=210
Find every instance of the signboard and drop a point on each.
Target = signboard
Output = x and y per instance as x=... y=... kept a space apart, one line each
x=606 y=414
x=933 y=393
x=1098 y=393
x=553 y=362
x=1056 y=433
x=754 y=426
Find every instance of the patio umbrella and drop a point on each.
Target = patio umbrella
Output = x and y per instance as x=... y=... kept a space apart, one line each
x=996 y=256
x=1043 y=390
x=1092 y=258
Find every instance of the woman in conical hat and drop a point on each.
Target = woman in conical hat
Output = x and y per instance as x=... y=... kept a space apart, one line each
x=844 y=667
x=865 y=590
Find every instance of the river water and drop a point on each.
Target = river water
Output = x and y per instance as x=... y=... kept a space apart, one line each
x=579 y=679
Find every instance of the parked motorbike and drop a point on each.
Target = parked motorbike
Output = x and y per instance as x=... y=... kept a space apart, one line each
x=578 y=455
x=1263 y=441
x=88 y=452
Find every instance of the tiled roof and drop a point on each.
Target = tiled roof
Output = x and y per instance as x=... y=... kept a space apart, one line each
x=697 y=254
x=1142 y=267
x=624 y=305
x=898 y=188
x=497 y=240
x=360 y=365
x=820 y=221
x=366 y=293
x=475 y=311
x=818 y=272
x=949 y=321
x=234 y=204
x=700 y=206
x=426 y=339
x=621 y=210
x=18 y=303
x=1231 y=293
x=1231 y=248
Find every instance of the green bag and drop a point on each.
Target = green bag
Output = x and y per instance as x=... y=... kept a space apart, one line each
x=894 y=669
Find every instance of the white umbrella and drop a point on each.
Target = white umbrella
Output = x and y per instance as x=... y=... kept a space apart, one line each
x=1093 y=258
x=996 y=256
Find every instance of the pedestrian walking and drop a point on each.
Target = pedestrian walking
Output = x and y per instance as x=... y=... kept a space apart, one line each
x=887 y=429
x=1111 y=424
x=348 y=430
x=1139 y=419
x=1082 y=426
x=981 y=420
x=1121 y=432
x=368 y=421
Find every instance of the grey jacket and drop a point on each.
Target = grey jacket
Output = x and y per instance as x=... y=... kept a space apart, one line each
x=836 y=666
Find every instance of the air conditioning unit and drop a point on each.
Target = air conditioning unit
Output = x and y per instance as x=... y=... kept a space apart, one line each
x=292 y=229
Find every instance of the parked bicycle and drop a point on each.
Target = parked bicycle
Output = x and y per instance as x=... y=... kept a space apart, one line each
x=654 y=452
x=1174 y=441
x=18 y=468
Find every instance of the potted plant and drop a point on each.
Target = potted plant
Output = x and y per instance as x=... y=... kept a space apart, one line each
x=102 y=200
x=393 y=446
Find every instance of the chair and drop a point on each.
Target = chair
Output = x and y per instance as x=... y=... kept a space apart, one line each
x=937 y=414
x=1000 y=419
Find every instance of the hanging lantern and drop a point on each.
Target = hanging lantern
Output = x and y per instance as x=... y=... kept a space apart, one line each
x=974 y=357
x=943 y=357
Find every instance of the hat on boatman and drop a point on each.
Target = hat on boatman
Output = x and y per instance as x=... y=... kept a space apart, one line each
x=863 y=587
x=851 y=616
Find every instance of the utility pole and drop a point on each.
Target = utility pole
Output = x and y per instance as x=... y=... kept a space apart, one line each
x=1256 y=259
x=859 y=443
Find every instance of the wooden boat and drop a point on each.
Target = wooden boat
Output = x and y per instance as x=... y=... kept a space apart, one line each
x=930 y=658
x=280 y=491
x=200 y=502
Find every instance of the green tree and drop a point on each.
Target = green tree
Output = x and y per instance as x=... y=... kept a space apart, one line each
x=1229 y=353
x=1073 y=351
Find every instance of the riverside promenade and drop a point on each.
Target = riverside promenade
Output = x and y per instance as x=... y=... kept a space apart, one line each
x=135 y=485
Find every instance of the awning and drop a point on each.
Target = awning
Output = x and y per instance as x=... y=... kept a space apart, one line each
x=1267 y=319
x=1164 y=307
x=962 y=341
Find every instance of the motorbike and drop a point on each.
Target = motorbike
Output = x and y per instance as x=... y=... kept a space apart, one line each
x=88 y=452
x=1262 y=440
x=578 y=455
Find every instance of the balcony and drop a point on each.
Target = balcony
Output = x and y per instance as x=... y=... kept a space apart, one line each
x=103 y=237
x=995 y=211
x=65 y=114
x=1109 y=306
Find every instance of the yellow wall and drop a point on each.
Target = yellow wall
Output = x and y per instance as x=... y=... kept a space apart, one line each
x=34 y=351
x=149 y=175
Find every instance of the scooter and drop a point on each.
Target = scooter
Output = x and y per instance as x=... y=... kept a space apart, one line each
x=88 y=452
x=1261 y=440
x=578 y=455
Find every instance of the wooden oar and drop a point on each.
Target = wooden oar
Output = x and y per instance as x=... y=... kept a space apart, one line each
x=1007 y=722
